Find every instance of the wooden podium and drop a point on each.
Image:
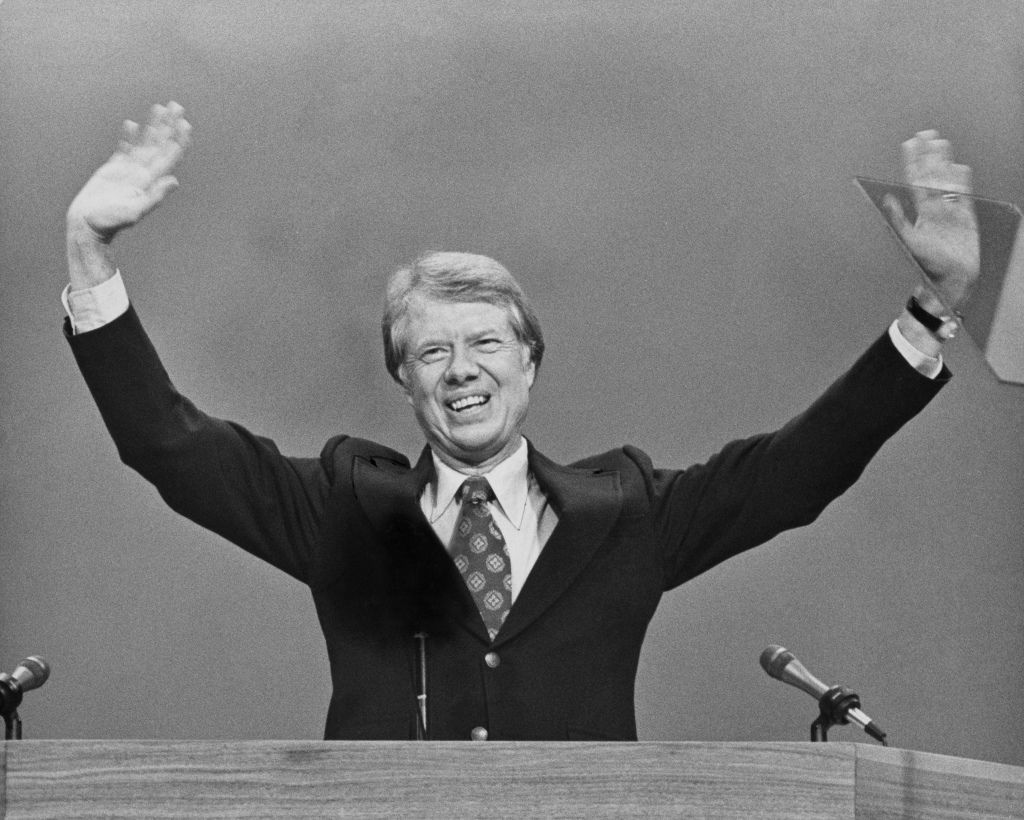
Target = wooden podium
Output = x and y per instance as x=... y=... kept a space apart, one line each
x=306 y=779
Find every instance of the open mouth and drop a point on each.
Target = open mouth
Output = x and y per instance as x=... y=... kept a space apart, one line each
x=467 y=403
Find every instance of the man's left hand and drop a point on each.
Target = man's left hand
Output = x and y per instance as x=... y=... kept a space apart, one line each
x=944 y=237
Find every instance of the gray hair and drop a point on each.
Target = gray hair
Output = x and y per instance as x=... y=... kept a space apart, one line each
x=456 y=277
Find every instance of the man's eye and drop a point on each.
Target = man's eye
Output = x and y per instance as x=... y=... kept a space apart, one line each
x=489 y=345
x=432 y=354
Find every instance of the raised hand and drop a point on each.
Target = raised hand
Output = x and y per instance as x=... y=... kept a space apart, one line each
x=944 y=237
x=136 y=178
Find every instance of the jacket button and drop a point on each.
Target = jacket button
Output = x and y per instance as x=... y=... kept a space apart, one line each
x=479 y=733
x=492 y=659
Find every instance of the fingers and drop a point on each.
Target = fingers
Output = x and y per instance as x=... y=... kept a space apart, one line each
x=161 y=126
x=928 y=162
x=960 y=179
x=160 y=189
x=170 y=122
x=183 y=129
x=163 y=141
x=129 y=136
x=925 y=156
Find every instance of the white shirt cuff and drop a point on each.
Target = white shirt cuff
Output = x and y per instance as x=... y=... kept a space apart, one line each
x=925 y=365
x=94 y=307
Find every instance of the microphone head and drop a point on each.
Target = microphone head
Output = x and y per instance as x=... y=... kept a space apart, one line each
x=31 y=673
x=776 y=658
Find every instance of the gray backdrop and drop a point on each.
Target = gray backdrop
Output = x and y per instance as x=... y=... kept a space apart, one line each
x=672 y=185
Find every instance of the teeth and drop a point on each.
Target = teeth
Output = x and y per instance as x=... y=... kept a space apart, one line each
x=469 y=401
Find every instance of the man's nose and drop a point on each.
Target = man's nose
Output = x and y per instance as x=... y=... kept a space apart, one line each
x=462 y=366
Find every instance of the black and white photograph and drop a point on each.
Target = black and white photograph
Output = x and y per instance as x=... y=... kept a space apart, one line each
x=632 y=391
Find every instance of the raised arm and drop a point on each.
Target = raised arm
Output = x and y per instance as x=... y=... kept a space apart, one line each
x=214 y=472
x=123 y=190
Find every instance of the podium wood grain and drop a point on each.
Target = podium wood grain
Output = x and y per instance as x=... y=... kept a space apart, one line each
x=308 y=779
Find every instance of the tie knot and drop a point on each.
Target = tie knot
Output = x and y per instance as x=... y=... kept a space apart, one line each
x=476 y=490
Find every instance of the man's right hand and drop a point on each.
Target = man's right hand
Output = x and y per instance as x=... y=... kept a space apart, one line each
x=124 y=189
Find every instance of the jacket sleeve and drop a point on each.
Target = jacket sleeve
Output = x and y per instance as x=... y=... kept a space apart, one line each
x=214 y=472
x=757 y=487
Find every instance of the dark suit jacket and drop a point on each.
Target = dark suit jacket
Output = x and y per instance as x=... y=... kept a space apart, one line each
x=349 y=525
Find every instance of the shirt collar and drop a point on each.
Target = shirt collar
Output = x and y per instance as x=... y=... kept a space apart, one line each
x=509 y=480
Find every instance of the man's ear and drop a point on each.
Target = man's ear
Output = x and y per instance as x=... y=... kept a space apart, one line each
x=529 y=365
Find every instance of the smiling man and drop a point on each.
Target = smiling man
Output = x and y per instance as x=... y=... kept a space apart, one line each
x=523 y=587
x=463 y=342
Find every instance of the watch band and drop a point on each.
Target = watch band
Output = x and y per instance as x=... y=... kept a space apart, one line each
x=930 y=321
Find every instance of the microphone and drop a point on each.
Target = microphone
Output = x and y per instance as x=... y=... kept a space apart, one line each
x=30 y=674
x=782 y=665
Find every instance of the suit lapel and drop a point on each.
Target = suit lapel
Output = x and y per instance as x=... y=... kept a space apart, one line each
x=388 y=490
x=389 y=494
x=587 y=503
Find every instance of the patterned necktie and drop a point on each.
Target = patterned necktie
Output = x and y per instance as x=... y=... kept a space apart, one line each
x=480 y=553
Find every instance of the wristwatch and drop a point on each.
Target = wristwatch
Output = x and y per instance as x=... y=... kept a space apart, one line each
x=943 y=327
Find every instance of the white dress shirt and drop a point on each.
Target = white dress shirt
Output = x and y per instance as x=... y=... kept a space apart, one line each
x=520 y=509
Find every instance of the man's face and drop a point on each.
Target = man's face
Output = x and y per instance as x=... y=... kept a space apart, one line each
x=468 y=379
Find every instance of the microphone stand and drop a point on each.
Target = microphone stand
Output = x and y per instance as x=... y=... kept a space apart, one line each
x=421 y=686
x=10 y=699
x=12 y=726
